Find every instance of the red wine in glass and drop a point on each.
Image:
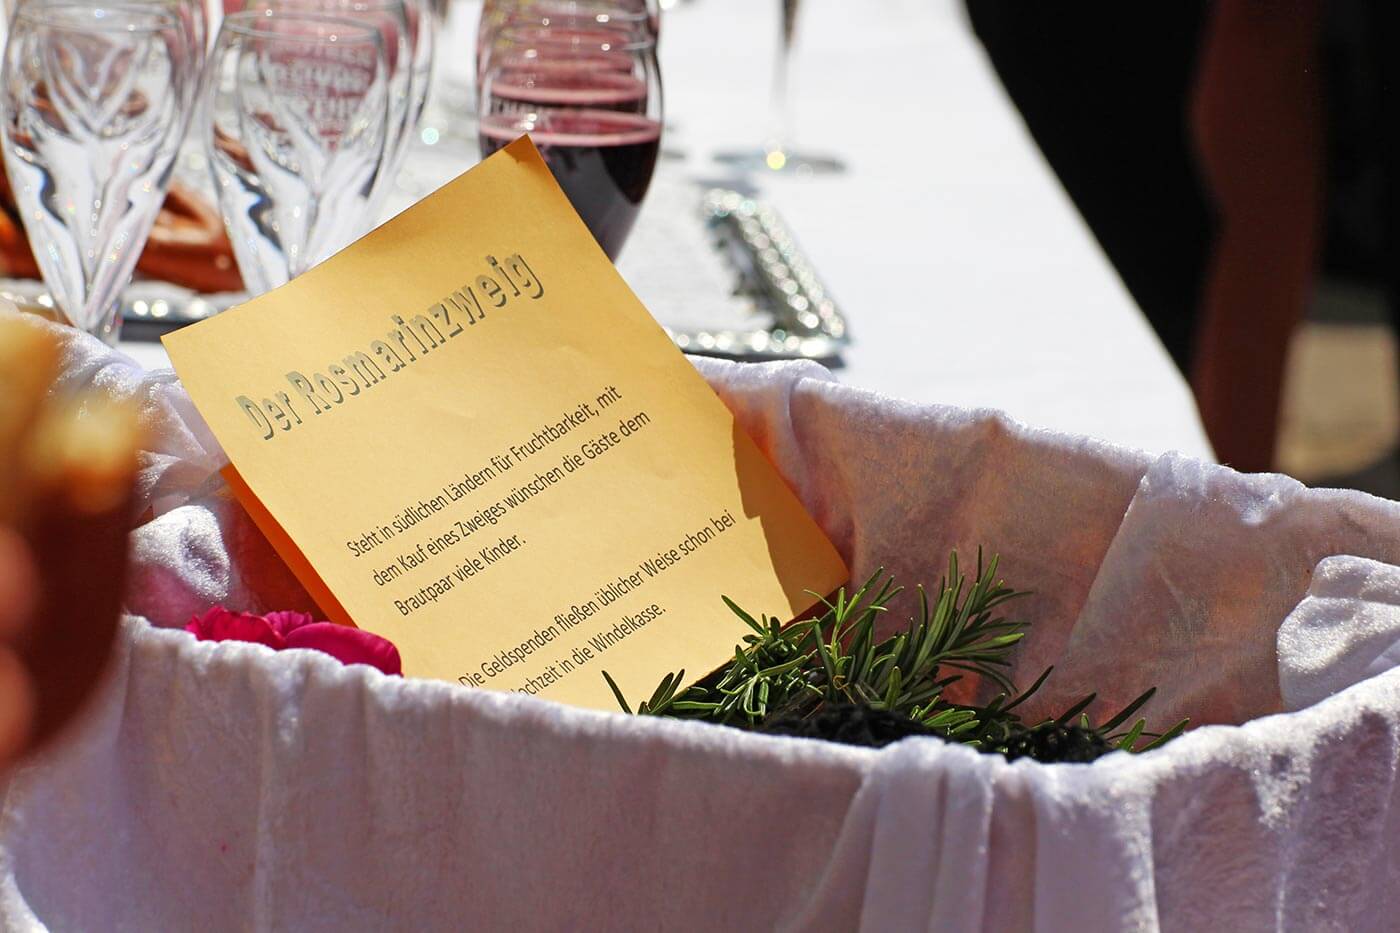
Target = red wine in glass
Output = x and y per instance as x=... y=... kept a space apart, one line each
x=603 y=159
x=590 y=98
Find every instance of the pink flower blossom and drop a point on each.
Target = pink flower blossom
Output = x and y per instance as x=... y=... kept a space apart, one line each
x=280 y=630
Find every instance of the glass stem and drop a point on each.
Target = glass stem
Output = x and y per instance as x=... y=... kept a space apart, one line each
x=782 y=79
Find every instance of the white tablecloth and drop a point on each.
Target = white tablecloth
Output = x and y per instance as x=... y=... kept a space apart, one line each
x=949 y=236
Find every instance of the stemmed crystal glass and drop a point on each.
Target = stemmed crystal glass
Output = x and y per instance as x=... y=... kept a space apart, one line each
x=296 y=117
x=94 y=109
x=777 y=153
x=391 y=19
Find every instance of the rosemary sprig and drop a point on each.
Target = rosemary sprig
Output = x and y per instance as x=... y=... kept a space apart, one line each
x=793 y=672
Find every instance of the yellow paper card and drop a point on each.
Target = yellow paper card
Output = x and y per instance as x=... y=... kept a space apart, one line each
x=466 y=434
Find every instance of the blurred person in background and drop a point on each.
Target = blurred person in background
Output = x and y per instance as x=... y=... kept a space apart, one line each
x=1223 y=153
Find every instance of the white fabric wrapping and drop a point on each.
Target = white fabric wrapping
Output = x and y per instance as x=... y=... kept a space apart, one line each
x=230 y=787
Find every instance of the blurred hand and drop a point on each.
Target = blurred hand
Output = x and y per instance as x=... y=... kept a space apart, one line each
x=66 y=473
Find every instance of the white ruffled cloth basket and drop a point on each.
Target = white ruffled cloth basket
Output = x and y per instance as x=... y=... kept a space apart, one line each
x=225 y=786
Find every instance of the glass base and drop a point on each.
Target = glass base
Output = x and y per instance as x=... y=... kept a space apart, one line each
x=38 y=301
x=108 y=330
x=782 y=161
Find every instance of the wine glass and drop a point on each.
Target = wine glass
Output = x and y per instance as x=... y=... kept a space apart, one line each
x=777 y=153
x=93 y=118
x=390 y=18
x=592 y=106
x=296 y=116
